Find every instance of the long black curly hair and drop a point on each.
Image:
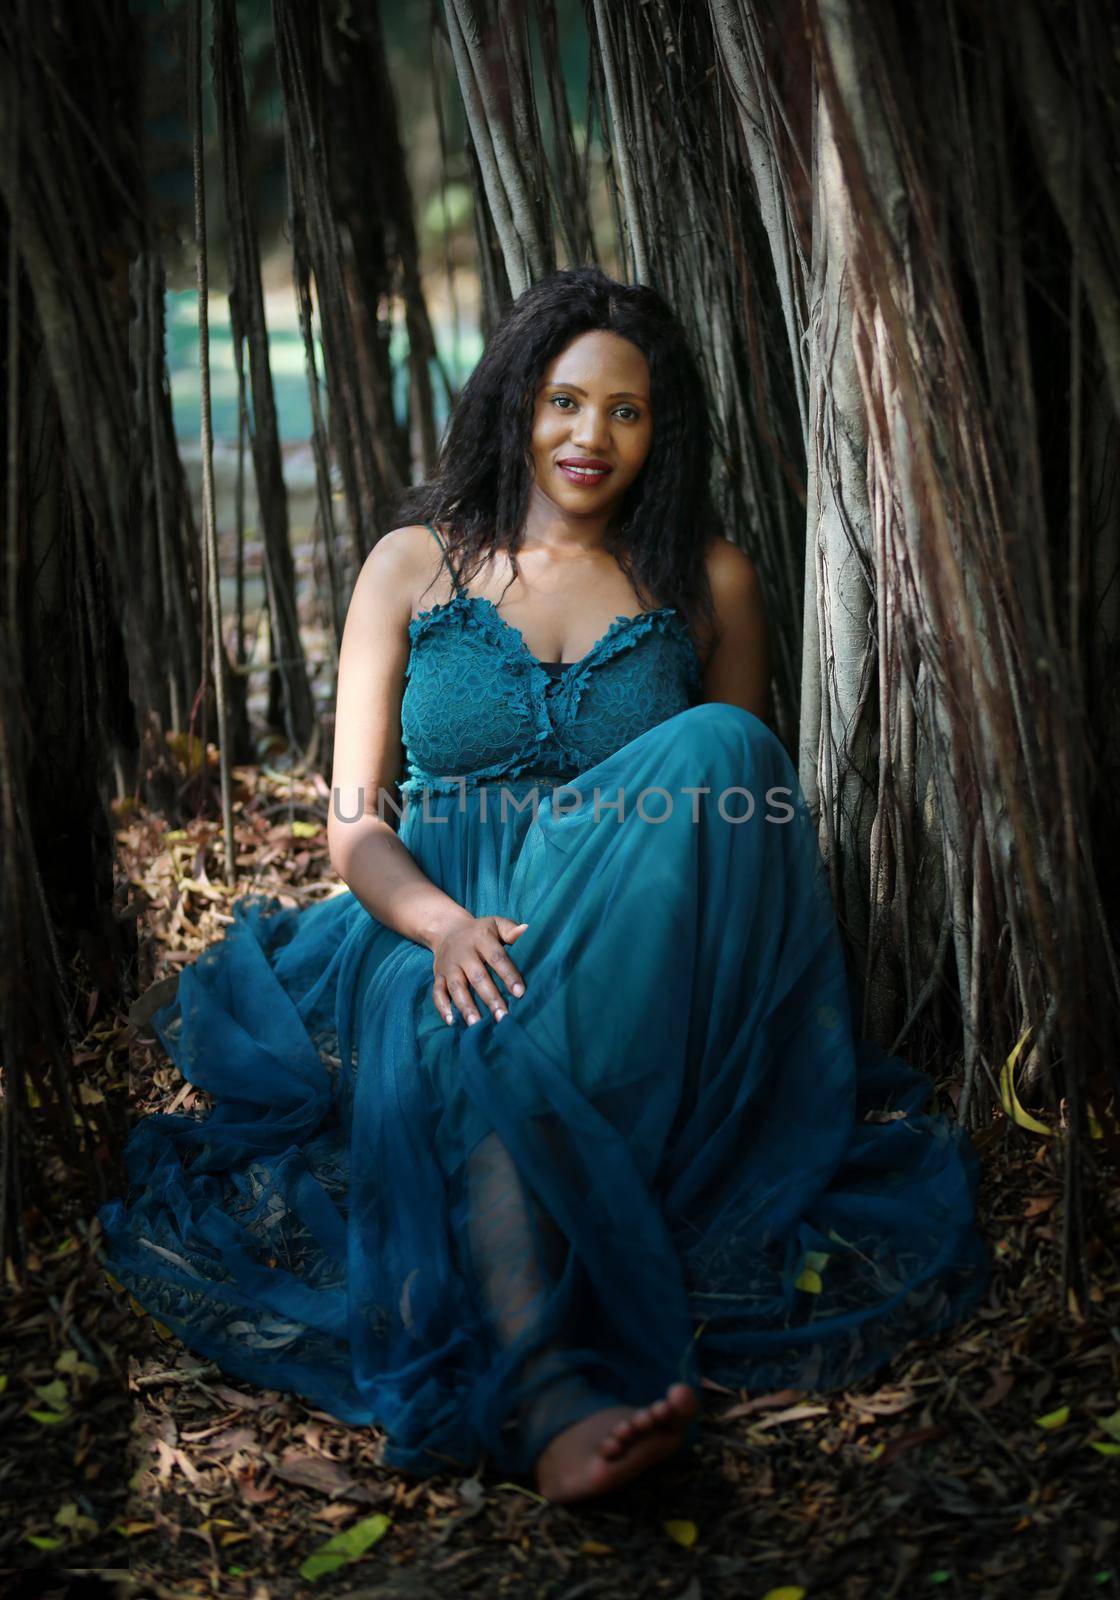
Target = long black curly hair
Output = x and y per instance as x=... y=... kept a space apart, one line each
x=478 y=495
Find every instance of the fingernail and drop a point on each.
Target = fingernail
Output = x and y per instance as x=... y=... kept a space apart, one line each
x=519 y=988
x=473 y=1017
x=498 y=1013
x=447 y=1016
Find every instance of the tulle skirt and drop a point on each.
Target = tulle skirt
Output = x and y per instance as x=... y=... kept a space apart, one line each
x=658 y=1164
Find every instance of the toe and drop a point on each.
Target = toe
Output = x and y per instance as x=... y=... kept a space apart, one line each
x=662 y=1411
x=614 y=1443
x=682 y=1399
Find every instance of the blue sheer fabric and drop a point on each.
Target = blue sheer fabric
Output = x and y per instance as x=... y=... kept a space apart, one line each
x=671 y=1156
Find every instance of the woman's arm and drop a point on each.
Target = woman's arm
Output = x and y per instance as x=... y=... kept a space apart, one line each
x=737 y=671
x=368 y=755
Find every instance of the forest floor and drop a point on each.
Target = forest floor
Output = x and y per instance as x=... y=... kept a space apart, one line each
x=985 y=1461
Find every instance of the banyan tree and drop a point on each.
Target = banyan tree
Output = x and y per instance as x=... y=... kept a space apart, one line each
x=893 y=234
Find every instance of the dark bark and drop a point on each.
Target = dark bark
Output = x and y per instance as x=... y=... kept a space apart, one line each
x=290 y=700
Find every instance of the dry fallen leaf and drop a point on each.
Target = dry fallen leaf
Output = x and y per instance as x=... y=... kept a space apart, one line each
x=762 y=1402
x=314 y=1472
x=794 y=1414
x=685 y=1533
x=254 y=1493
x=1002 y=1385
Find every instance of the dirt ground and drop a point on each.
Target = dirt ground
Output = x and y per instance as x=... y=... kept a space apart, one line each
x=985 y=1461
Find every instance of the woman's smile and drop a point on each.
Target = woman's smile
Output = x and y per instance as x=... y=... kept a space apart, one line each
x=586 y=471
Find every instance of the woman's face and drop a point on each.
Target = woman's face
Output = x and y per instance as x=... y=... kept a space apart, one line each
x=592 y=423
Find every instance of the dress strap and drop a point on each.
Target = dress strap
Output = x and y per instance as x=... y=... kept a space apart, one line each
x=447 y=560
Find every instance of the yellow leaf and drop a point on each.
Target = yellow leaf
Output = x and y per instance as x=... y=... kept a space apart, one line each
x=1111 y=1425
x=188 y=748
x=1104 y=1449
x=137 y=1308
x=1053 y=1419
x=810 y=1281
x=788 y=1591
x=592 y=1547
x=3 y=1381
x=173 y=835
x=1010 y=1100
x=161 y=1331
x=117 y=1288
x=131 y=1530
x=305 y=830
x=81 y=1369
x=685 y=1533
x=344 y=1547
x=876 y=1450
x=231 y=1538
x=74 y=1521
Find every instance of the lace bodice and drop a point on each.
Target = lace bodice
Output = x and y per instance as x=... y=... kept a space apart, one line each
x=478 y=706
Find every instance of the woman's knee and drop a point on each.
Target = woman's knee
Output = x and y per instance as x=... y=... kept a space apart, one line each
x=717 y=735
x=716 y=717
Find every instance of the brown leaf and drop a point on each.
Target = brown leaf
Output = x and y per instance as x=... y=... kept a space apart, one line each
x=337 y=1511
x=886 y=1403
x=794 y=1414
x=239 y=1401
x=196 y=1435
x=909 y=1441
x=253 y=1493
x=442 y=1502
x=761 y=1402
x=170 y=1457
x=314 y=1472
x=1002 y=1385
x=224 y=1444
x=186 y=1093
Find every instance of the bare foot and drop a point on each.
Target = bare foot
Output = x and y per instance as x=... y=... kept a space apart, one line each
x=610 y=1447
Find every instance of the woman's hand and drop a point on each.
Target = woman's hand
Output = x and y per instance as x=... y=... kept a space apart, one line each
x=460 y=961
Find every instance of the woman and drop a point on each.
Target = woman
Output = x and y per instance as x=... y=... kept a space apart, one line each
x=560 y=1104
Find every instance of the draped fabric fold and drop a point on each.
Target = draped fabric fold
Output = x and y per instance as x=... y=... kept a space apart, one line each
x=658 y=1163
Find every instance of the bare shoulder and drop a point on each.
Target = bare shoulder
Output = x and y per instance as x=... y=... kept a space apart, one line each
x=407 y=550
x=395 y=570
x=733 y=576
x=737 y=670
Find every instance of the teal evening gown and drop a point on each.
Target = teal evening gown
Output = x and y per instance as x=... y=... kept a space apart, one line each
x=670 y=1157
